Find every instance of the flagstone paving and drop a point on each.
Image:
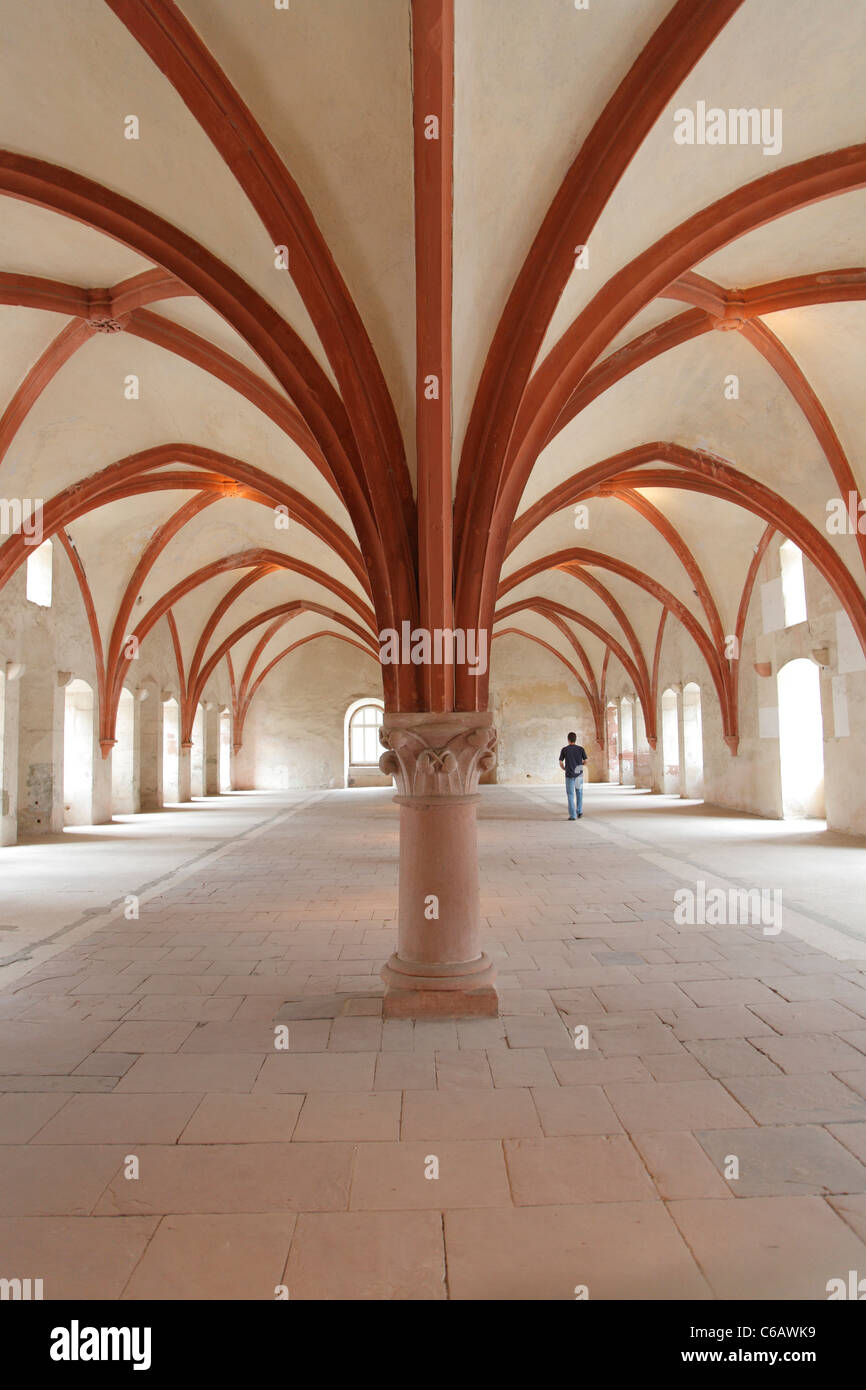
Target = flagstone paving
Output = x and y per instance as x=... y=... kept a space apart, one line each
x=205 y=1102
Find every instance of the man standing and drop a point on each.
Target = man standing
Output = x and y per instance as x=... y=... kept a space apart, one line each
x=571 y=759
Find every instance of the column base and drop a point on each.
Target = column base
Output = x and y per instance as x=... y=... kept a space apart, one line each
x=464 y=990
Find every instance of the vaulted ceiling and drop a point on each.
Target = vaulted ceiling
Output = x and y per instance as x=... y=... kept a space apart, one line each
x=267 y=389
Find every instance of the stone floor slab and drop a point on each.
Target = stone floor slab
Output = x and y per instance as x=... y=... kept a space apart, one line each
x=367 y=1255
x=674 y=1105
x=587 y=1168
x=785 y=1160
x=453 y=1114
x=392 y=1177
x=619 y=1251
x=76 y=1257
x=243 y=1119
x=230 y=1178
x=769 y=1248
x=228 y=1257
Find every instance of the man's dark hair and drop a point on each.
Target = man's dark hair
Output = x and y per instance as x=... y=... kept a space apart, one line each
x=572 y=738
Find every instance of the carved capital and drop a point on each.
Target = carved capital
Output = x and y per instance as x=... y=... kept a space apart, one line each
x=437 y=755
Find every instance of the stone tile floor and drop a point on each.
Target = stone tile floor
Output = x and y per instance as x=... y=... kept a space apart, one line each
x=156 y=1039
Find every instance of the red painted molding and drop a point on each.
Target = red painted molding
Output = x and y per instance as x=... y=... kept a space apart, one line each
x=546 y=606
x=170 y=40
x=743 y=611
x=666 y=528
x=339 y=636
x=117 y=663
x=677 y=45
x=760 y=336
x=178 y=657
x=624 y=295
x=124 y=305
x=572 y=560
x=580 y=651
x=700 y=471
x=162 y=332
x=131 y=475
x=267 y=334
x=591 y=697
x=631 y=289
x=739 y=308
x=91 y=305
x=93 y=626
x=433 y=95
x=657 y=654
x=59 y=350
x=794 y=292
x=198 y=678
x=642 y=349
x=35 y=292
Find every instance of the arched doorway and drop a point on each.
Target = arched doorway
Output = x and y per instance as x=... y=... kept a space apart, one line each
x=801 y=740
x=225 y=751
x=196 y=755
x=612 y=726
x=362 y=747
x=670 y=744
x=693 y=740
x=170 y=752
x=78 y=754
x=123 y=797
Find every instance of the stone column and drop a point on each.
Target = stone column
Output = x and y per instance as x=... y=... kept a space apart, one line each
x=438 y=969
x=681 y=739
x=101 y=799
x=9 y=760
x=643 y=753
x=184 y=771
x=151 y=750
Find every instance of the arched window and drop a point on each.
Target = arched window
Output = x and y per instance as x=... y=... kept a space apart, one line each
x=364 y=745
x=39 y=567
x=793 y=583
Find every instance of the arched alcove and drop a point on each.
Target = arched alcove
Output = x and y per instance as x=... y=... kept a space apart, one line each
x=612 y=727
x=123 y=790
x=196 y=758
x=626 y=741
x=670 y=744
x=170 y=752
x=693 y=741
x=78 y=754
x=225 y=763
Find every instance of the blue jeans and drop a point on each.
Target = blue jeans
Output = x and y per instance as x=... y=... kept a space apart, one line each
x=574 y=792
